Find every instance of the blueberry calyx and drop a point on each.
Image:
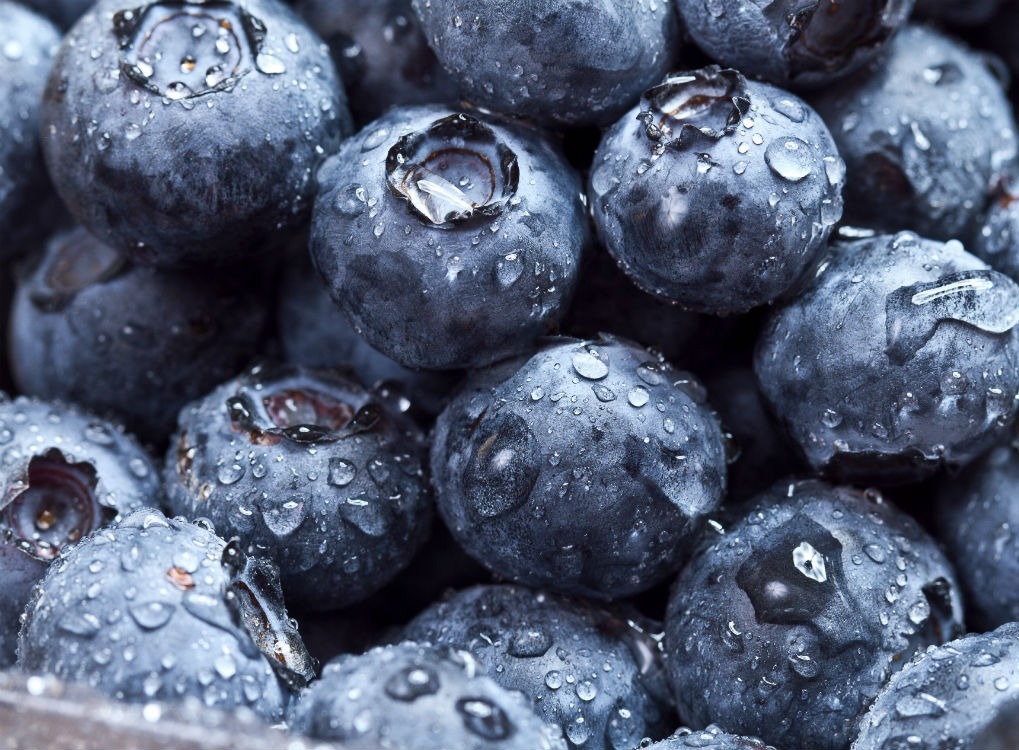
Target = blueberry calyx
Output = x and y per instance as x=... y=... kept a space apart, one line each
x=54 y=505
x=79 y=262
x=823 y=41
x=455 y=170
x=182 y=49
x=703 y=104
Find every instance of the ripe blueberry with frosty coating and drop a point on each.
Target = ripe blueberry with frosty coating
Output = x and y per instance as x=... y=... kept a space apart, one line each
x=310 y=469
x=160 y=609
x=416 y=697
x=786 y=625
x=901 y=356
x=586 y=468
x=927 y=135
x=63 y=474
x=716 y=192
x=151 y=340
x=710 y=738
x=184 y=132
x=572 y=63
x=449 y=239
x=950 y=696
x=977 y=517
x=794 y=43
x=596 y=673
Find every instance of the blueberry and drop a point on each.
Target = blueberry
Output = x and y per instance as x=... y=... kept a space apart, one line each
x=412 y=697
x=381 y=53
x=158 y=609
x=308 y=468
x=716 y=192
x=586 y=468
x=710 y=738
x=794 y=43
x=149 y=341
x=950 y=696
x=186 y=132
x=312 y=331
x=900 y=357
x=63 y=474
x=976 y=515
x=786 y=625
x=558 y=63
x=449 y=240
x=926 y=136
x=593 y=672
x=997 y=241
x=27 y=45
x=62 y=12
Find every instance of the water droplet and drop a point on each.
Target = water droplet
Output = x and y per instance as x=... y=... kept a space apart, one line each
x=529 y=644
x=270 y=64
x=341 y=472
x=225 y=666
x=13 y=50
x=84 y=625
x=603 y=393
x=509 y=270
x=638 y=396
x=152 y=615
x=483 y=718
x=285 y=519
x=586 y=690
x=791 y=108
x=810 y=562
x=590 y=366
x=790 y=158
x=554 y=679
x=412 y=683
x=229 y=474
x=923 y=704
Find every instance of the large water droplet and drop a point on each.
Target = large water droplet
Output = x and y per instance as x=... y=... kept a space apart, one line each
x=152 y=615
x=590 y=366
x=484 y=718
x=790 y=158
x=411 y=683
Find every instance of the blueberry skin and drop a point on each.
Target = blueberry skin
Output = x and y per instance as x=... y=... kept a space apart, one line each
x=585 y=469
x=794 y=44
x=976 y=514
x=309 y=469
x=557 y=63
x=251 y=124
x=159 y=609
x=950 y=696
x=997 y=242
x=381 y=53
x=785 y=626
x=927 y=134
x=596 y=673
x=721 y=208
x=900 y=357
x=28 y=43
x=129 y=340
x=313 y=332
x=710 y=738
x=443 y=283
x=63 y=474
x=415 y=697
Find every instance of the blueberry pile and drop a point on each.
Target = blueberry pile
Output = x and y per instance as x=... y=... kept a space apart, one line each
x=511 y=374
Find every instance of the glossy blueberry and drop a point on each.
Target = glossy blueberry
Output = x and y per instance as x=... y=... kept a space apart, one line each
x=381 y=54
x=158 y=609
x=951 y=696
x=449 y=240
x=572 y=63
x=63 y=474
x=185 y=132
x=414 y=697
x=794 y=43
x=900 y=357
x=927 y=135
x=784 y=626
x=997 y=241
x=977 y=518
x=595 y=673
x=27 y=46
x=313 y=332
x=309 y=469
x=710 y=738
x=90 y=326
x=586 y=469
x=716 y=192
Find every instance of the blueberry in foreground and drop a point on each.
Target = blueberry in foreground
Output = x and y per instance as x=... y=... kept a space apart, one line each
x=596 y=673
x=415 y=697
x=556 y=63
x=794 y=44
x=785 y=626
x=158 y=609
x=310 y=469
x=63 y=474
x=91 y=327
x=900 y=357
x=949 y=696
x=716 y=192
x=977 y=514
x=188 y=133
x=927 y=135
x=449 y=239
x=28 y=43
x=710 y=738
x=586 y=468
